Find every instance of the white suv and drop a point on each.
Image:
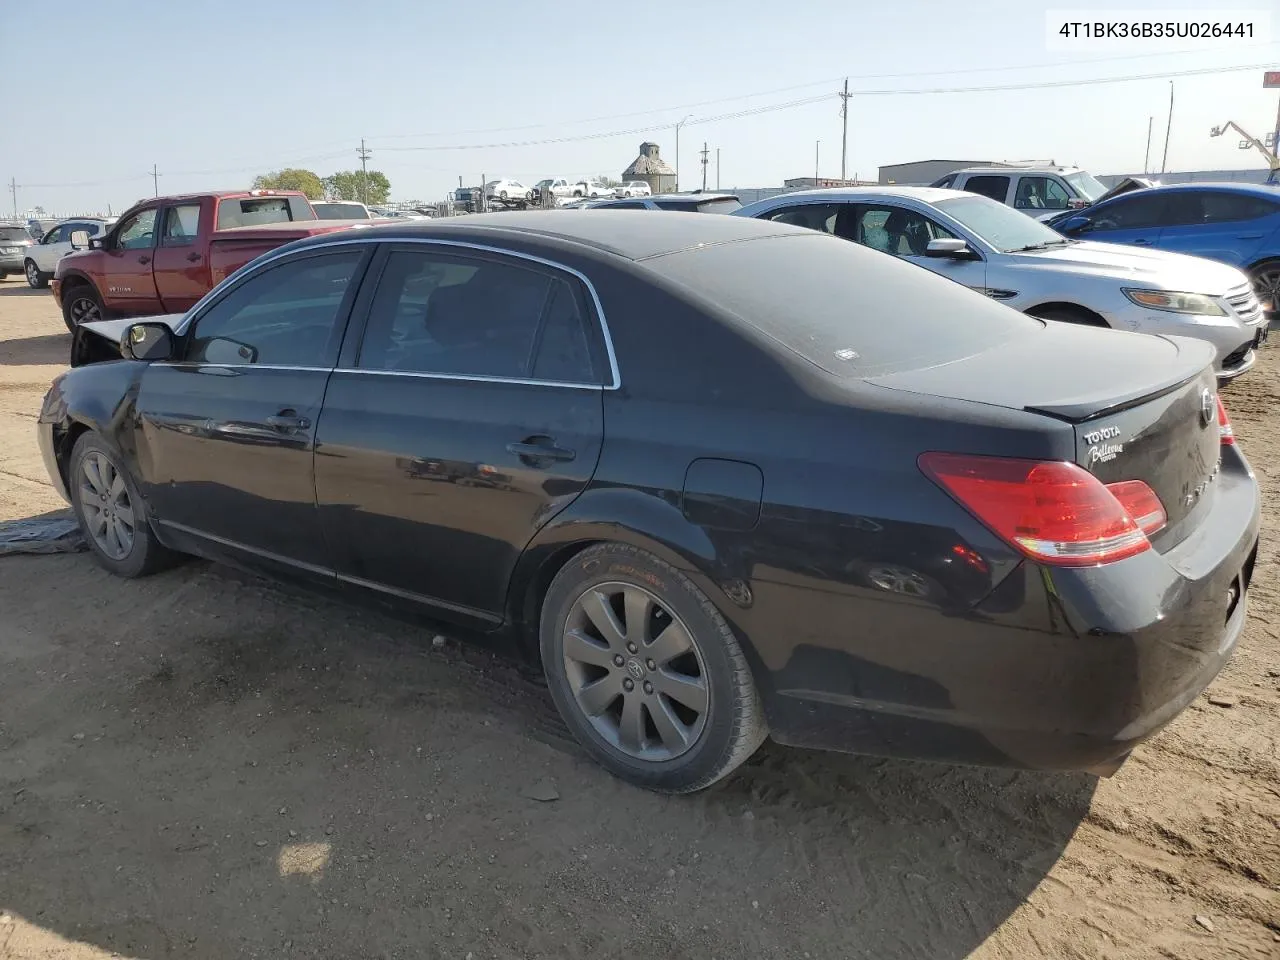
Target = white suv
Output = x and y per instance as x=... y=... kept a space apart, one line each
x=42 y=257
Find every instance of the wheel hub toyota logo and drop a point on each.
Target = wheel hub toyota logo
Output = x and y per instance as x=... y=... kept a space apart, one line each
x=635 y=668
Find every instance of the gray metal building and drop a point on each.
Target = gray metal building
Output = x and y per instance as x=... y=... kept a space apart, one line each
x=924 y=172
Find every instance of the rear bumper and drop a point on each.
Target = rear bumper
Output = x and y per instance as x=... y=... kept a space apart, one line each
x=1058 y=669
x=12 y=263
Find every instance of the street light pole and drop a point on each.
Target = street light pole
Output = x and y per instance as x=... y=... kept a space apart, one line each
x=680 y=124
x=816 y=144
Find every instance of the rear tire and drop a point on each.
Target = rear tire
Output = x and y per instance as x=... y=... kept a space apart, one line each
x=81 y=304
x=1077 y=315
x=35 y=279
x=680 y=675
x=112 y=516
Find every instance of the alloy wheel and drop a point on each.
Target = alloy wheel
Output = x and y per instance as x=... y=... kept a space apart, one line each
x=1266 y=283
x=85 y=310
x=33 y=274
x=104 y=501
x=635 y=672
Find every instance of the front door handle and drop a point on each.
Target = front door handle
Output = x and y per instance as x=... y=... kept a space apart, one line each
x=534 y=449
x=144 y=259
x=288 y=421
x=1141 y=243
x=193 y=257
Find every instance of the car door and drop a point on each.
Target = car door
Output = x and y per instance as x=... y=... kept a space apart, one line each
x=905 y=232
x=129 y=284
x=468 y=415
x=53 y=246
x=227 y=430
x=1134 y=218
x=182 y=258
x=1218 y=224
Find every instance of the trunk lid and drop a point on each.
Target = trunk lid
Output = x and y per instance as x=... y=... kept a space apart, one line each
x=1137 y=404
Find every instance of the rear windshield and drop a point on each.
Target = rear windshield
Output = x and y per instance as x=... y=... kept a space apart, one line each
x=850 y=310
x=14 y=233
x=252 y=211
x=340 y=211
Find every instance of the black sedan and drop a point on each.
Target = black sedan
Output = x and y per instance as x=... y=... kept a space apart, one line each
x=725 y=478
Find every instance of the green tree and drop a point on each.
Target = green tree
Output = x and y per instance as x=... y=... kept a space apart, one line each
x=291 y=178
x=353 y=185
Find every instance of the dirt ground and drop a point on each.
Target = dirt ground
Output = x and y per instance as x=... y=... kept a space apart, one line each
x=205 y=765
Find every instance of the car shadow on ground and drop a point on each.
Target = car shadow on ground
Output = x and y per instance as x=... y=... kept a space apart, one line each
x=205 y=765
x=16 y=286
x=52 y=348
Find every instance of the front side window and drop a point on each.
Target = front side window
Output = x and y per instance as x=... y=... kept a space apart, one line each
x=997 y=188
x=896 y=231
x=438 y=313
x=1041 y=193
x=285 y=315
x=181 y=225
x=814 y=216
x=139 y=231
x=1134 y=212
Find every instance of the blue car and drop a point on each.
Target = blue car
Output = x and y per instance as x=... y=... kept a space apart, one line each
x=1235 y=223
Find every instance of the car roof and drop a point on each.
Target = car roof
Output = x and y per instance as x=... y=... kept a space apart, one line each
x=618 y=232
x=1031 y=170
x=1270 y=191
x=924 y=194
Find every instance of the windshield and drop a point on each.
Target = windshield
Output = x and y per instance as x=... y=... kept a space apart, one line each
x=1086 y=185
x=1003 y=227
x=842 y=306
x=340 y=211
x=14 y=233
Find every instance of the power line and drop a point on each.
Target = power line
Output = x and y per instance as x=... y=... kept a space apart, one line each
x=1044 y=84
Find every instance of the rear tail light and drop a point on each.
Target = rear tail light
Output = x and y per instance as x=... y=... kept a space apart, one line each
x=1225 y=431
x=1053 y=511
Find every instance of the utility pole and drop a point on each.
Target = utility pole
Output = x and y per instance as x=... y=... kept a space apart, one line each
x=844 y=133
x=704 y=151
x=155 y=178
x=678 y=126
x=364 y=155
x=1146 y=157
x=717 y=168
x=13 y=190
x=816 y=144
x=1169 y=129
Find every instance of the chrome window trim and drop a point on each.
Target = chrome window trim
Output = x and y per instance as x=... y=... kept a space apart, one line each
x=475 y=378
x=615 y=381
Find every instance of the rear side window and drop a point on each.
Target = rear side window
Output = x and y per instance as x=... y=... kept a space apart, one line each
x=181 y=225
x=286 y=315
x=1227 y=207
x=997 y=188
x=814 y=216
x=849 y=310
x=722 y=205
x=439 y=313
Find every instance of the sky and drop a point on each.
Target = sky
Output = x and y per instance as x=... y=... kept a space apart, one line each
x=526 y=90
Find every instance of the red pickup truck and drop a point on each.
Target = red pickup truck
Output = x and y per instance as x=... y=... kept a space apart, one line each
x=163 y=255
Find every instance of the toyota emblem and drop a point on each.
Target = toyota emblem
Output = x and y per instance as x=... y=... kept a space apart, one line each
x=1208 y=409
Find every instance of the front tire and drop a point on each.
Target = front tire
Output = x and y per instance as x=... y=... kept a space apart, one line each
x=35 y=279
x=112 y=515
x=646 y=672
x=81 y=304
x=1265 y=277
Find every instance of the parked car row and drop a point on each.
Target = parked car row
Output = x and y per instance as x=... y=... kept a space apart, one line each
x=722 y=477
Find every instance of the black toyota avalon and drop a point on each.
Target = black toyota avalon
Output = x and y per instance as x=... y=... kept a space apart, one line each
x=724 y=479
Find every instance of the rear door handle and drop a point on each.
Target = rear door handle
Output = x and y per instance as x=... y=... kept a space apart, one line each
x=540 y=448
x=1141 y=243
x=144 y=259
x=282 y=421
x=1249 y=236
x=193 y=257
